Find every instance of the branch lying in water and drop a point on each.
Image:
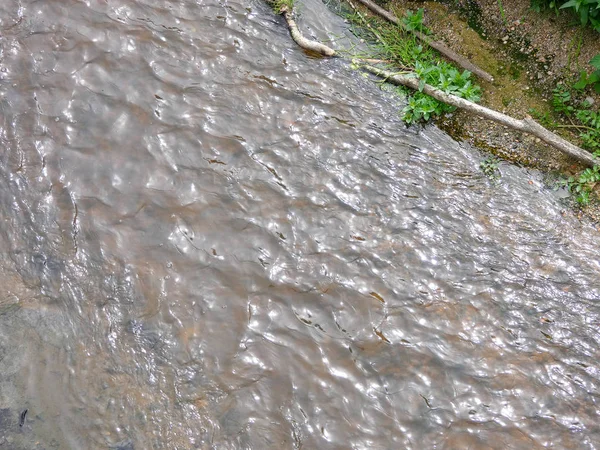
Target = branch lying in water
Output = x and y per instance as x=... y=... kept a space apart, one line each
x=442 y=48
x=297 y=36
x=527 y=125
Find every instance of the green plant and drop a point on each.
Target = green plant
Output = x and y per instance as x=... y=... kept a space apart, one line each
x=588 y=125
x=587 y=10
x=414 y=21
x=583 y=185
x=590 y=79
x=561 y=100
x=399 y=47
x=282 y=5
x=489 y=167
x=590 y=134
x=433 y=71
x=542 y=5
x=446 y=78
x=587 y=121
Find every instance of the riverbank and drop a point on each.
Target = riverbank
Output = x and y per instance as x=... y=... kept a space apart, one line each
x=528 y=54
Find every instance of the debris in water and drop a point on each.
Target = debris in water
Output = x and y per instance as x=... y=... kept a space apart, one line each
x=22 y=417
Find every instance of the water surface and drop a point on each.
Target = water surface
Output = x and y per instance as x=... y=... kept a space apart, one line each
x=212 y=240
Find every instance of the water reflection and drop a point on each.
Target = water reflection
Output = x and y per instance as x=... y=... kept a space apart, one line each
x=211 y=240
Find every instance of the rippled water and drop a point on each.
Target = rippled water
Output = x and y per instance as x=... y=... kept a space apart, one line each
x=212 y=240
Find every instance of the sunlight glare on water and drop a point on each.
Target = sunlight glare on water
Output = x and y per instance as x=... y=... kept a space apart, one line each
x=213 y=240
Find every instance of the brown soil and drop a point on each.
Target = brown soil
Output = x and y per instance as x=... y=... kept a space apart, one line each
x=528 y=54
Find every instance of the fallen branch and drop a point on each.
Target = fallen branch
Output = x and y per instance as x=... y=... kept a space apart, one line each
x=527 y=125
x=297 y=36
x=440 y=47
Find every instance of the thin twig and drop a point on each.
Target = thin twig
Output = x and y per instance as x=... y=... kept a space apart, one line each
x=584 y=127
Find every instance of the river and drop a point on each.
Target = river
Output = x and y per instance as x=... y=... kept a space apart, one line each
x=212 y=240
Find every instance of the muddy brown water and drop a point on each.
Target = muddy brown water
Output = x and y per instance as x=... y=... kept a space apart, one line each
x=212 y=240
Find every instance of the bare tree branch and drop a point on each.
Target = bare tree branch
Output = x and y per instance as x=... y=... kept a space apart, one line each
x=297 y=36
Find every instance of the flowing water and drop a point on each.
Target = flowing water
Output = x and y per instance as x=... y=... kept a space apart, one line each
x=213 y=240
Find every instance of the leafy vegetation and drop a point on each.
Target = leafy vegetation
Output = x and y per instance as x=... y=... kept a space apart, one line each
x=583 y=184
x=414 y=21
x=587 y=10
x=398 y=46
x=489 y=167
x=567 y=107
x=589 y=15
x=580 y=116
x=590 y=79
x=446 y=78
x=280 y=5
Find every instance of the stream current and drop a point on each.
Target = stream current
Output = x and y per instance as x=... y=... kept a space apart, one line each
x=212 y=240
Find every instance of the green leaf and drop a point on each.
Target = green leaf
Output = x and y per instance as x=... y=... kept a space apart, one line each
x=595 y=62
x=584 y=13
x=583 y=81
x=571 y=4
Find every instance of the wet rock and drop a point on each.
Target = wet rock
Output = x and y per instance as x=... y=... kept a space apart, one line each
x=125 y=445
